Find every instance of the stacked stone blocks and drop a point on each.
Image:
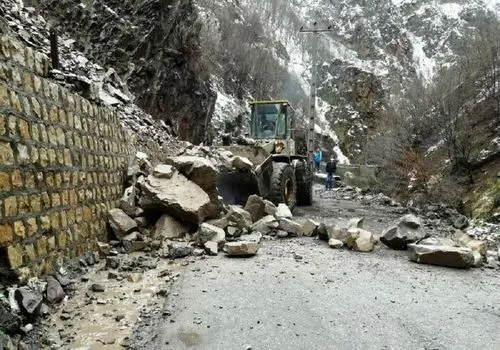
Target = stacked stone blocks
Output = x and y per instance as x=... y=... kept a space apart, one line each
x=62 y=161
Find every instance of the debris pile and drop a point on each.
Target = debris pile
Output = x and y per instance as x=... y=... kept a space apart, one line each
x=22 y=307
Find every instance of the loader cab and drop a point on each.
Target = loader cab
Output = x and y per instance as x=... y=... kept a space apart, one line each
x=270 y=120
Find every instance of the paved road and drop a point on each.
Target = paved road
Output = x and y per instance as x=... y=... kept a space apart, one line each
x=330 y=299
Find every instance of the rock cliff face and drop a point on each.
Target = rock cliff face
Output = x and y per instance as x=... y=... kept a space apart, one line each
x=154 y=45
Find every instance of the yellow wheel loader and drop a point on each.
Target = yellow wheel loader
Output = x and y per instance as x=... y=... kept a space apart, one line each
x=280 y=174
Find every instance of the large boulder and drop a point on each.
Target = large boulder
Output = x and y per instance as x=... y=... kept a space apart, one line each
x=407 y=231
x=266 y=225
x=256 y=207
x=293 y=228
x=177 y=196
x=240 y=217
x=167 y=227
x=203 y=173
x=241 y=248
x=360 y=240
x=120 y=222
x=442 y=255
x=210 y=233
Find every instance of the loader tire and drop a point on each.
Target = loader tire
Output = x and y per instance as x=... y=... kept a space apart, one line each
x=283 y=185
x=303 y=177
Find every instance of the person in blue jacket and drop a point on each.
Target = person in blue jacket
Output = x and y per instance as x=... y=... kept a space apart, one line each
x=317 y=159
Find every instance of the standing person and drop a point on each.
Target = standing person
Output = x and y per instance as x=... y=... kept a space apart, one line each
x=331 y=168
x=317 y=159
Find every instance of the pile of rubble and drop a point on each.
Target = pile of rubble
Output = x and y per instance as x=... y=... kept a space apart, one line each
x=22 y=307
x=442 y=219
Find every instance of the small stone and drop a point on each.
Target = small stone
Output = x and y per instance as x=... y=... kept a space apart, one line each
x=98 y=288
x=134 y=277
x=211 y=248
x=335 y=243
x=282 y=234
x=112 y=275
x=112 y=262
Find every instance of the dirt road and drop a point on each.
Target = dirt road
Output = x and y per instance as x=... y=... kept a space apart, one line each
x=300 y=294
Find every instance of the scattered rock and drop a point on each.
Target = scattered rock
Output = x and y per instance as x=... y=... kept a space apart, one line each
x=134 y=277
x=355 y=223
x=410 y=221
x=98 y=288
x=360 y=240
x=28 y=299
x=256 y=207
x=112 y=262
x=232 y=231
x=338 y=230
x=466 y=241
x=241 y=248
x=252 y=237
x=9 y=322
x=441 y=255
x=309 y=228
x=163 y=171
x=121 y=223
x=269 y=208
x=283 y=212
x=55 y=292
x=266 y=225
x=211 y=248
x=241 y=217
x=210 y=233
x=460 y=221
x=335 y=243
x=281 y=234
x=405 y=232
x=103 y=248
x=167 y=227
x=179 y=250
x=293 y=228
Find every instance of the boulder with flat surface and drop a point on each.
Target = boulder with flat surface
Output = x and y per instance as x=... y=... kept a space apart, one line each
x=464 y=240
x=120 y=222
x=293 y=228
x=240 y=217
x=441 y=255
x=283 y=212
x=182 y=199
x=309 y=227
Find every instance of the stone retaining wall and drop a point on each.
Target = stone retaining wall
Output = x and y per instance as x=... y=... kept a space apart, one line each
x=62 y=161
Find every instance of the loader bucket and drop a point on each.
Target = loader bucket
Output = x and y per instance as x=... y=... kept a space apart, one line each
x=236 y=186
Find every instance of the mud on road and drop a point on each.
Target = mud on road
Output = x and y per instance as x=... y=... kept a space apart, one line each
x=300 y=294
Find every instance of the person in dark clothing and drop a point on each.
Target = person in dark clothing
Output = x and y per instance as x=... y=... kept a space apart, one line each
x=331 y=168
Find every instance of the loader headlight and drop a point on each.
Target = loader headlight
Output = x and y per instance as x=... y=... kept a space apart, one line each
x=279 y=146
